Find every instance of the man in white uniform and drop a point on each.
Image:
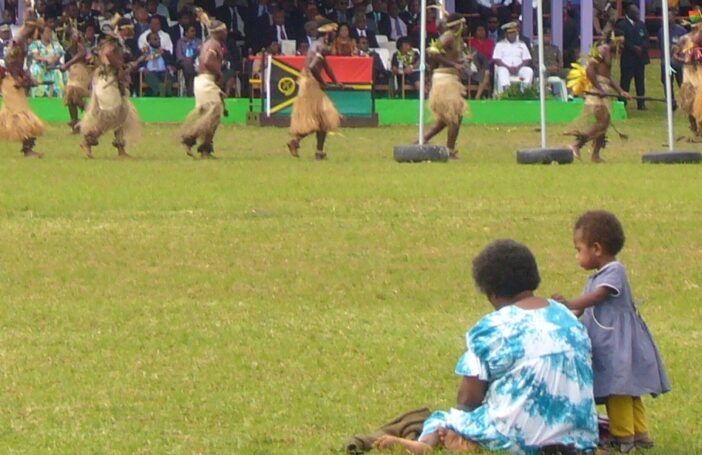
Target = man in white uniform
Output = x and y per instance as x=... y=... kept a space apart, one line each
x=512 y=58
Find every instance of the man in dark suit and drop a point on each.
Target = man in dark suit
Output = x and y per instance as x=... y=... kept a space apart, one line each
x=279 y=31
x=185 y=20
x=341 y=13
x=152 y=8
x=378 y=20
x=635 y=53
x=234 y=17
x=310 y=34
x=359 y=30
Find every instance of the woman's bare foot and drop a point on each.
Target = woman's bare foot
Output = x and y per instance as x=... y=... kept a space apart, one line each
x=454 y=442
x=386 y=442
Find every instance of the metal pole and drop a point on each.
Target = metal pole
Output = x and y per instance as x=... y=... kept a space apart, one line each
x=668 y=73
x=422 y=66
x=542 y=69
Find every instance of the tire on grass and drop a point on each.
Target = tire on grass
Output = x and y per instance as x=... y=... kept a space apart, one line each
x=545 y=156
x=416 y=153
x=674 y=157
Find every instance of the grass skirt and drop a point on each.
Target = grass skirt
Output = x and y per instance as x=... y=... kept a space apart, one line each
x=108 y=109
x=446 y=98
x=209 y=107
x=17 y=121
x=313 y=110
x=78 y=86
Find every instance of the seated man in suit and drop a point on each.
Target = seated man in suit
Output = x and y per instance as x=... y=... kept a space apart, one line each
x=159 y=10
x=380 y=74
x=310 y=35
x=279 y=31
x=158 y=67
x=185 y=20
x=398 y=28
x=234 y=18
x=155 y=27
x=378 y=19
x=360 y=29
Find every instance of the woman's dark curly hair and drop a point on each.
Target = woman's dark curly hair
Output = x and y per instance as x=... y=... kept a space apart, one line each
x=602 y=227
x=505 y=268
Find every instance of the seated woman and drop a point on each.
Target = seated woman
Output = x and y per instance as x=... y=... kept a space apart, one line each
x=405 y=61
x=526 y=375
x=343 y=44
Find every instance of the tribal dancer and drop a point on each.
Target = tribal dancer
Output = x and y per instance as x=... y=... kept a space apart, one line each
x=17 y=121
x=313 y=111
x=110 y=107
x=209 y=101
x=595 y=82
x=446 y=98
x=689 y=50
x=79 y=75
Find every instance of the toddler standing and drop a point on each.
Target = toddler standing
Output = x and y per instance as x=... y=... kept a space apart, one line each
x=626 y=363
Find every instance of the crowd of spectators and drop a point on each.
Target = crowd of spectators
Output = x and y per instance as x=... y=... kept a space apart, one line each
x=169 y=35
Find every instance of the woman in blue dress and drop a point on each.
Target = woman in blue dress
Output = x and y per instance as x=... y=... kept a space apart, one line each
x=44 y=60
x=527 y=376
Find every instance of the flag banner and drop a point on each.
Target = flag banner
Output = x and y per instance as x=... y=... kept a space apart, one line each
x=356 y=73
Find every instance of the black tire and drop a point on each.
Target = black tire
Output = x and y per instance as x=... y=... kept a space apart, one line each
x=544 y=156
x=417 y=153
x=675 y=157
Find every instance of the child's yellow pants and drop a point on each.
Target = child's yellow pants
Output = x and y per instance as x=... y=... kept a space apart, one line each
x=627 y=416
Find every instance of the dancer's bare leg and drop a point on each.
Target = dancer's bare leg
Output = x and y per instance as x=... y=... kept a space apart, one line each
x=414 y=447
x=453 y=131
x=28 y=148
x=120 y=144
x=90 y=140
x=321 y=137
x=188 y=144
x=436 y=129
x=597 y=145
x=73 y=111
x=294 y=145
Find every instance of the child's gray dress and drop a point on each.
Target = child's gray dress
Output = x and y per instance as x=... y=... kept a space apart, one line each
x=625 y=360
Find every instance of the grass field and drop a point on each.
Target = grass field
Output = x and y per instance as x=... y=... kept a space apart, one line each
x=263 y=305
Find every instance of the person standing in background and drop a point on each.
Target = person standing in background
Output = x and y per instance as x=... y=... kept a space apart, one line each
x=635 y=54
x=677 y=31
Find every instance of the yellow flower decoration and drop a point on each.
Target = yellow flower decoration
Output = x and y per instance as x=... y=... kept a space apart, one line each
x=578 y=81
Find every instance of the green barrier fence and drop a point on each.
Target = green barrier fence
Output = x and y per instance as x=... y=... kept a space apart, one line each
x=391 y=112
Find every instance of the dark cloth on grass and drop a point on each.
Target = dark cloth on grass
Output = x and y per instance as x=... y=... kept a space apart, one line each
x=407 y=426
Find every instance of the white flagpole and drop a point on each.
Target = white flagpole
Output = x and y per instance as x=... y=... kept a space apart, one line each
x=422 y=66
x=668 y=72
x=542 y=70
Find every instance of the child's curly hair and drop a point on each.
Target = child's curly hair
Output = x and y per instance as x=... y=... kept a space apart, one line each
x=506 y=268
x=602 y=227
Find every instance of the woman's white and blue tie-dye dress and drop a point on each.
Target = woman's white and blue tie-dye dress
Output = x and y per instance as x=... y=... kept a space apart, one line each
x=539 y=374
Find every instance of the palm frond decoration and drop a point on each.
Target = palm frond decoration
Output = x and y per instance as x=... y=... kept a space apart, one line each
x=578 y=82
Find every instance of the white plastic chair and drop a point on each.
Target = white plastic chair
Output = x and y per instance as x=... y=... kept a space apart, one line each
x=384 y=55
x=391 y=46
x=561 y=84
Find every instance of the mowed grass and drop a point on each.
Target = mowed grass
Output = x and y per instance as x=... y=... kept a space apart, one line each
x=259 y=304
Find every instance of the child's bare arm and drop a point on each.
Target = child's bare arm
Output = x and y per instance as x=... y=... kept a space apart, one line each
x=589 y=299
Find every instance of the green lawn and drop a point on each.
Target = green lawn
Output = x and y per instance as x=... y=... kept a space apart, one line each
x=260 y=304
